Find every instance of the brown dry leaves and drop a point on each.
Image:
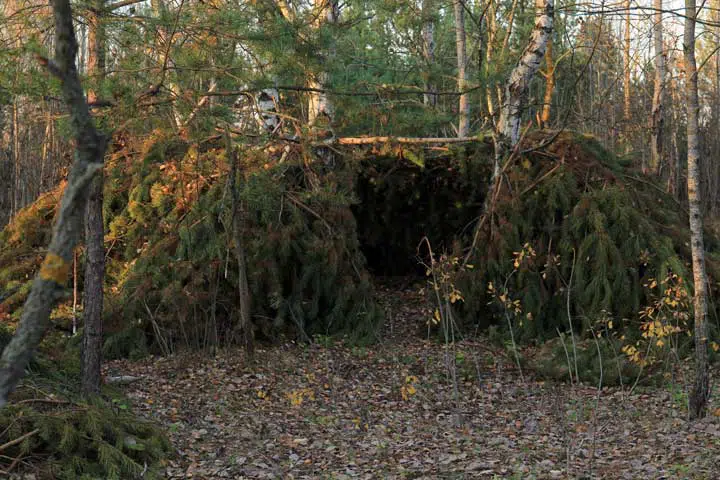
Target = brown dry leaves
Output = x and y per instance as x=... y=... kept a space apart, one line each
x=309 y=412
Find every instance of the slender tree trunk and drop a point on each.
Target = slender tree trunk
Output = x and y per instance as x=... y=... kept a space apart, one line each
x=626 y=69
x=511 y=24
x=716 y=19
x=549 y=84
x=319 y=105
x=517 y=87
x=164 y=61
x=675 y=178
x=96 y=46
x=244 y=300
x=75 y=292
x=46 y=149
x=51 y=282
x=428 y=51
x=489 y=53
x=516 y=91
x=461 y=49
x=657 y=118
x=94 y=229
x=93 y=289
x=701 y=390
x=17 y=172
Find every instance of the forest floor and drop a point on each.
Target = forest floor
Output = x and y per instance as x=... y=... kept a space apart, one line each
x=390 y=411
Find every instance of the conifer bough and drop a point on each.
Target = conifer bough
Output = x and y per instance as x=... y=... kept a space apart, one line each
x=49 y=285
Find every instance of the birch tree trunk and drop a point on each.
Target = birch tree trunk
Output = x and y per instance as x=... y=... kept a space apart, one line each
x=675 y=178
x=626 y=69
x=549 y=84
x=319 y=105
x=49 y=286
x=164 y=61
x=461 y=49
x=491 y=23
x=428 y=51
x=657 y=118
x=518 y=85
x=701 y=389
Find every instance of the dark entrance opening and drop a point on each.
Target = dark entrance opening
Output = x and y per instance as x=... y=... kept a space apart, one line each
x=403 y=201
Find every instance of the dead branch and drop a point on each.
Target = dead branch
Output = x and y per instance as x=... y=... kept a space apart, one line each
x=18 y=440
x=42 y=400
x=121 y=380
x=406 y=140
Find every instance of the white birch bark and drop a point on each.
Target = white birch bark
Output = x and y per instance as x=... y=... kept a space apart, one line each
x=516 y=90
x=657 y=119
x=319 y=103
x=428 y=51
x=626 y=66
x=461 y=52
x=701 y=389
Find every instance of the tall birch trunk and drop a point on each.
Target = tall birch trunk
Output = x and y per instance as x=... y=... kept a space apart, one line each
x=657 y=118
x=163 y=47
x=319 y=104
x=428 y=51
x=489 y=53
x=674 y=180
x=461 y=52
x=549 y=84
x=516 y=90
x=626 y=69
x=701 y=389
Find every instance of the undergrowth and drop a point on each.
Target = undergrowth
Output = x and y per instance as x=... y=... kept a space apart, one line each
x=51 y=430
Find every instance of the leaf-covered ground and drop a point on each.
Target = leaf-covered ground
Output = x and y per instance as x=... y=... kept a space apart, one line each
x=390 y=411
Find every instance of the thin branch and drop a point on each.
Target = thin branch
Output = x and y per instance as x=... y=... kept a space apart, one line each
x=406 y=140
x=18 y=440
x=344 y=93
